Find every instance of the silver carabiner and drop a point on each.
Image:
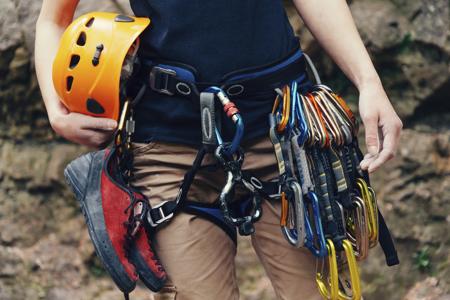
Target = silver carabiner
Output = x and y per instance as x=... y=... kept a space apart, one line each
x=296 y=236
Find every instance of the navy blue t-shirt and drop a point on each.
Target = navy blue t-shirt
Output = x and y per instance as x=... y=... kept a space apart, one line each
x=215 y=37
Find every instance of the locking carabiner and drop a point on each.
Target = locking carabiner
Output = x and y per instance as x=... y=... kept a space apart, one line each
x=232 y=113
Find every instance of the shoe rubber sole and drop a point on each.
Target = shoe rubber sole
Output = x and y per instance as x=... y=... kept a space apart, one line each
x=84 y=177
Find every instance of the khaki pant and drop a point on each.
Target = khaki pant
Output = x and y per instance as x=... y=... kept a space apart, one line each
x=198 y=255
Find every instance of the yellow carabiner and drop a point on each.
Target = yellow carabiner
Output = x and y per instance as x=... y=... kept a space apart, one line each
x=372 y=210
x=328 y=288
x=121 y=126
x=355 y=283
x=373 y=241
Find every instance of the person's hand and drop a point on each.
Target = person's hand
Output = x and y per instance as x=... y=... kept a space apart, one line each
x=382 y=126
x=82 y=129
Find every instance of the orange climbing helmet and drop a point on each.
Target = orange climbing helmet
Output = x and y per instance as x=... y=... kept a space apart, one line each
x=94 y=60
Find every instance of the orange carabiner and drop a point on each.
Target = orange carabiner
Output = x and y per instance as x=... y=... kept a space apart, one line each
x=284 y=210
x=326 y=141
x=285 y=115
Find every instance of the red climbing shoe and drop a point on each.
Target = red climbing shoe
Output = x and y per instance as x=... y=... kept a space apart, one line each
x=111 y=212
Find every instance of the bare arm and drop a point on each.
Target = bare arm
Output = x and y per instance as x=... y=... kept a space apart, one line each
x=54 y=17
x=331 y=23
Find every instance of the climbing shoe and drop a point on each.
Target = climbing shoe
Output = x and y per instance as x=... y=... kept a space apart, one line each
x=111 y=212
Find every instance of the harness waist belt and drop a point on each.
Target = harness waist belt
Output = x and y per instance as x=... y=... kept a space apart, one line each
x=172 y=78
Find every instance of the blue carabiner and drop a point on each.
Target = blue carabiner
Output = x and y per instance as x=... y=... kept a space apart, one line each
x=236 y=118
x=294 y=104
x=315 y=243
x=299 y=116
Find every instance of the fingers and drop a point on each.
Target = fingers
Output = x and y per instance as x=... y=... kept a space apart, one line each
x=88 y=122
x=390 y=144
x=85 y=130
x=372 y=138
x=367 y=160
x=95 y=138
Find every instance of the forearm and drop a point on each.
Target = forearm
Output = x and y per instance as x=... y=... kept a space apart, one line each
x=55 y=16
x=331 y=23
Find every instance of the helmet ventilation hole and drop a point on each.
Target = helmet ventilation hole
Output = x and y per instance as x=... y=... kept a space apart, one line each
x=94 y=106
x=69 y=81
x=89 y=23
x=81 y=39
x=74 y=60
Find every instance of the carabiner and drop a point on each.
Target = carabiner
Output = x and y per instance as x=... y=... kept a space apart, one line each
x=299 y=117
x=329 y=117
x=301 y=165
x=318 y=121
x=119 y=138
x=328 y=287
x=232 y=167
x=355 y=283
x=312 y=215
x=282 y=109
x=343 y=107
x=232 y=112
x=293 y=207
x=373 y=240
x=357 y=229
x=368 y=195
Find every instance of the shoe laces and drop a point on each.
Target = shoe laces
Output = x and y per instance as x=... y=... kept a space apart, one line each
x=137 y=210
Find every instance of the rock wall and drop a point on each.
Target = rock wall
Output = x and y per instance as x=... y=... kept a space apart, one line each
x=45 y=252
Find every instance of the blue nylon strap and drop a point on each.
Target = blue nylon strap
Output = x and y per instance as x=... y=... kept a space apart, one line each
x=269 y=70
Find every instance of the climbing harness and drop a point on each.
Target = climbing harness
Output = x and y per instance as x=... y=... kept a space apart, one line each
x=328 y=205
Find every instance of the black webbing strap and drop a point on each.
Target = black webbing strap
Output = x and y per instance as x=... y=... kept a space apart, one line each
x=384 y=236
x=166 y=210
x=386 y=242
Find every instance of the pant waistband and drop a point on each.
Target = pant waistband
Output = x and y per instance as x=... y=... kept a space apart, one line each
x=177 y=79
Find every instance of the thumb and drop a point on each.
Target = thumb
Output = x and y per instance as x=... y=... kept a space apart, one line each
x=372 y=139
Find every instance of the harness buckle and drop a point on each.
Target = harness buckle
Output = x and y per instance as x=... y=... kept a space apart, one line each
x=159 y=80
x=163 y=218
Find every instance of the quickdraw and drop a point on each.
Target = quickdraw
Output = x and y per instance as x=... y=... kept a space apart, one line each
x=292 y=220
x=321 y=184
